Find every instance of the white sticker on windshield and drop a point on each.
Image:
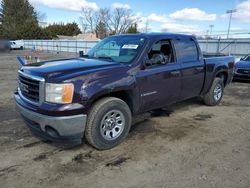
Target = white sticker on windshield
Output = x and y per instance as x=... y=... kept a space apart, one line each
x=130 y=46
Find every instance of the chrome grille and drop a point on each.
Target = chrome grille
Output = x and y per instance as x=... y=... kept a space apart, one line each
x=243 y=71
x=31 y=88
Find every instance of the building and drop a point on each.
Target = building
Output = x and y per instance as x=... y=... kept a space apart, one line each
x=85 y=36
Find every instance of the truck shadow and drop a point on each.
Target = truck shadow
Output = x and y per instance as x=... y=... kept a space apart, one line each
x=145 y=123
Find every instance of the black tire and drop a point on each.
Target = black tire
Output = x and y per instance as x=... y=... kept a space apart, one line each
x=95 y=120
x=210 y=98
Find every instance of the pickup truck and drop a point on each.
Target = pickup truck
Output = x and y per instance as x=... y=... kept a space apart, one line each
x=95 y=96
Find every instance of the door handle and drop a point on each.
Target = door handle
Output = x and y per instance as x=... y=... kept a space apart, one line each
x=199 y=68
x=175 y=73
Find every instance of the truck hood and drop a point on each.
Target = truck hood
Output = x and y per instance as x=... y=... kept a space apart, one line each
x=58 y=68
x=243 y=64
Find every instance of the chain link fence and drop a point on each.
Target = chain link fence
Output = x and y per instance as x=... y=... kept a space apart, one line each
x=235 y=47
x=73 y=46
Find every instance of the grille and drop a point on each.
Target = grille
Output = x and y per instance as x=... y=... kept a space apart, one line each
x=29 y=88
x=243 y=71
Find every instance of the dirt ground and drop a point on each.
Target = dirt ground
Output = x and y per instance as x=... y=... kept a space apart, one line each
x=187 y=145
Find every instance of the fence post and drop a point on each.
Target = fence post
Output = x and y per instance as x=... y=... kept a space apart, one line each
x=207 y=45
x=76 y=46
x=218 y=46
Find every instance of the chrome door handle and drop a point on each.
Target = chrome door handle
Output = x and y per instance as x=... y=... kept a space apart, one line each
x=175 y=73
x=199 y=68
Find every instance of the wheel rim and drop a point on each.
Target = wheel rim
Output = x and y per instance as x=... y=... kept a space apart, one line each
x=217 y=92
x=112 y=125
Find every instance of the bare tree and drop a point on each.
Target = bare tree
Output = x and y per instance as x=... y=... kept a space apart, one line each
x=110 y=21
x=89 y=19
x=120 y=20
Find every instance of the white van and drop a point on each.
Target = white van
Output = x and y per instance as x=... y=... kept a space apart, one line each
x=17 y=44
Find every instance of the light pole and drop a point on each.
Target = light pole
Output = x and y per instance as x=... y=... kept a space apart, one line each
x=211 y=29
x=230 y=19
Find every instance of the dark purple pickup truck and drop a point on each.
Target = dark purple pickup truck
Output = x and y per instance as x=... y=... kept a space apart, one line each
x=95 y=96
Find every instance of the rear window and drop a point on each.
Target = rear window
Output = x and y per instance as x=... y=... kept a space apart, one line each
x=187 y=50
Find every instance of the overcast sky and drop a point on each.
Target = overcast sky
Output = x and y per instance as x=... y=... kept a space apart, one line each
x=193 y=16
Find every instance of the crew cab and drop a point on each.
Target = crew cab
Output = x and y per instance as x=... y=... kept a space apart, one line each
x=95 y=96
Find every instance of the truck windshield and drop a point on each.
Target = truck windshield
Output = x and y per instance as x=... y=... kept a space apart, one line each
x=122 y=49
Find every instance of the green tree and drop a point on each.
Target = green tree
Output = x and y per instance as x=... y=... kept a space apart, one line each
x=1 y=27
x=19 y=20
x=70 y=29
x=133 y=29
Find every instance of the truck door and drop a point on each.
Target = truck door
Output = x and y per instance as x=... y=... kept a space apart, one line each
x=192 y=67
x=159 y=83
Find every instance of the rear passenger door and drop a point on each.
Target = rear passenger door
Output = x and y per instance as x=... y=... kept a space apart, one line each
x=192 y=67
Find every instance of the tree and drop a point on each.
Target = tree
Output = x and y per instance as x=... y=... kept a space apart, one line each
x=133 y=29
x=70 y=29
x=89 y=19
x=1 y=27
x=101 y=30
x=111 y=21
x=19 y=20
x=120 y=20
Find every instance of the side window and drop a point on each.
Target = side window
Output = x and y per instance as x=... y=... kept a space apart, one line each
x=187 y=50
x=161 y=53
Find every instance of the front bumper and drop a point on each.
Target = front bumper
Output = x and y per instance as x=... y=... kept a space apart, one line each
x=64 y=129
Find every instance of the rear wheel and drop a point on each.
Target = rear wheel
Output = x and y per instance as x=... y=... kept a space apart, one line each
x=109 y=121
x=215 y=94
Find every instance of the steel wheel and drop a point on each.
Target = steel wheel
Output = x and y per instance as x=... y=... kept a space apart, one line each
x=217 y=92
x=112 y=124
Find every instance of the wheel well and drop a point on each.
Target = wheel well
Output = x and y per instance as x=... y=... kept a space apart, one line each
x=123 y=95
x=223 y=76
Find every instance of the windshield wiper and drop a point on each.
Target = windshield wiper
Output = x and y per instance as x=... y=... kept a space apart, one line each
x=105 y=58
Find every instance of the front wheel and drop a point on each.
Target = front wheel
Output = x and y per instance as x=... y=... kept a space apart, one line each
x=214 y=96
x=109 y=122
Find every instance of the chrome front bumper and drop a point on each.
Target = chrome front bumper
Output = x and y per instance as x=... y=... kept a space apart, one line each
x=64 y=127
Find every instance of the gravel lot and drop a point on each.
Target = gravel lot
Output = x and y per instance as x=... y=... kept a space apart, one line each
x=186 y=145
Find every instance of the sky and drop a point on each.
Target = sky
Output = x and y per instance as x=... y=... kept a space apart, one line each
x=186 y=16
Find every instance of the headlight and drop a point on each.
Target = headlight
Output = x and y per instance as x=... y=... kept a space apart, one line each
x=59 y=93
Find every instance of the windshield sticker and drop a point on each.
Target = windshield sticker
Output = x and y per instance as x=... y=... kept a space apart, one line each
x=130 y=46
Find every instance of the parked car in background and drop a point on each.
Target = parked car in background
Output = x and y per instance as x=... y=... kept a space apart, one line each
x=242 y=69
x=16 y=45
x=4 y=45
x=124 y=75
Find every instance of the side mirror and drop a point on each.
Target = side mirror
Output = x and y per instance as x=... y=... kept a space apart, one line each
x=81 y=53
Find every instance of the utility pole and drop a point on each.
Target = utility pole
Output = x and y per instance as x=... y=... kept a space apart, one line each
x=146 y=26
x=211 y=29
x=230 y=19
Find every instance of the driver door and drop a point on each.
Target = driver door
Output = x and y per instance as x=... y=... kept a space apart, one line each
x=160 y=84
